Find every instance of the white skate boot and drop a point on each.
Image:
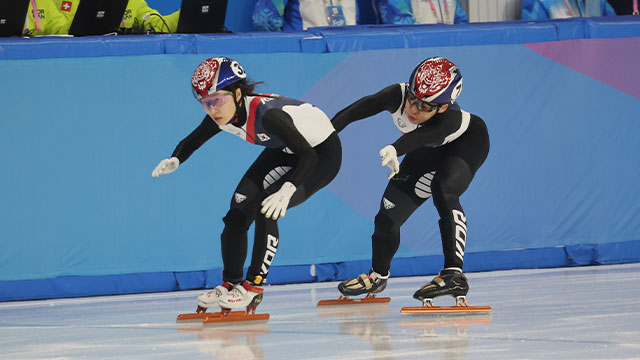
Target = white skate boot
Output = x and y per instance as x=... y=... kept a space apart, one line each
x=242 y=295
x=212 y=298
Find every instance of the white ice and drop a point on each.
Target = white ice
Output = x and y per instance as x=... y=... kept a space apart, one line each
x=569 y=313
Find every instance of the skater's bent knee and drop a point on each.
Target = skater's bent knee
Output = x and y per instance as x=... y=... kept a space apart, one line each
x=383 y=223
x=236 y=218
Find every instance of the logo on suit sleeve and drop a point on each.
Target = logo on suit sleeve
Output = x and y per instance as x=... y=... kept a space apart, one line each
x=239 y=197
x=387 y=204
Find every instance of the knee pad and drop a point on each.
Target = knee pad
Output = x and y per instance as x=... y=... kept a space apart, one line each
x=454 y=177
x=245 y=195
x=237 y=220
x=384 y=224
x=446 y=195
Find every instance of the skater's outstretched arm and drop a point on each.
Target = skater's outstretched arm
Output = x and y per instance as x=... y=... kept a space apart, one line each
x=205 y=131
x=389 y=99
x=187 y=146
x=437 y=131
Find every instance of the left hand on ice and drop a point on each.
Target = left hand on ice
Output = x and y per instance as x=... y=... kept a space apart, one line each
x=275 y=205
x=390 y=159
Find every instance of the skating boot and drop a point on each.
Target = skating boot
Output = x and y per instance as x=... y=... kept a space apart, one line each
x=370 y=284
x=211 y=298
x=228 y=296
x=242 y=295
x=448 y=282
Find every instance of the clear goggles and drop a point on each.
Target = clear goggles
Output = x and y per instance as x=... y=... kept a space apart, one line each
x=216 y=100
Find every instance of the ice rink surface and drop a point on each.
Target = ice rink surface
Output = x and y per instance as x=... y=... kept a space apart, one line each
x=570 y=313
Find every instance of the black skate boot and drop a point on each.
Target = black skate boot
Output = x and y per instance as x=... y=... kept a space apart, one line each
x=448 y=282
x=370 y=284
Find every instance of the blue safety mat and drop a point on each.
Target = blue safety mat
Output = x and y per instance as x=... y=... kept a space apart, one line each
x=560 y=256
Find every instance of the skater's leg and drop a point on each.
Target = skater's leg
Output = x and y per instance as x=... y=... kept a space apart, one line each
x=265 y=245
x=234 y=235
x=233 y=242
x=405 y=192
x=272 y=168
x=264 y=174
x=266 y=238
x=395 y=208
x=451 y=181
x=458 y=165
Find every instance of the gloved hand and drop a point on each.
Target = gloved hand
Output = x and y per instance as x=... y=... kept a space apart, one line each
x=275 y=205
x=390 y=159
x=166 y=166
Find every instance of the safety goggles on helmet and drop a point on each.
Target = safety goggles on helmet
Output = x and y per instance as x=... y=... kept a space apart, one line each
x=216 y=100
x=421 y=105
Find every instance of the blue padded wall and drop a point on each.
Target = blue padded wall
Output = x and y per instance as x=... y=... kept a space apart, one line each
x=85 y=121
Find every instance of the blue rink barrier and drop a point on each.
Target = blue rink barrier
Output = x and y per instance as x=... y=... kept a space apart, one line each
x=85 y=120
x=322 y=39
x=80 y=286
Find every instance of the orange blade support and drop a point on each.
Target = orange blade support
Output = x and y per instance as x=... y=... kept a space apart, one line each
x=236 y=316
x=201 y=316
x=446 y=309
x=366 y=300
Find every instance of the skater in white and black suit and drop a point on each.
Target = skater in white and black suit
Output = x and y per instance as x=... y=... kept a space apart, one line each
x=444 y=148
x=302 y=155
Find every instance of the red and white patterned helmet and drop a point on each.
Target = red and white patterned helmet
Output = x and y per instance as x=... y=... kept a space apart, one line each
x=214 y=74
x=436 y=80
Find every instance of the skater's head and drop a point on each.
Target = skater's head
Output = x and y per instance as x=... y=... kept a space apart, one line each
x=220 y=84
x=433 y=85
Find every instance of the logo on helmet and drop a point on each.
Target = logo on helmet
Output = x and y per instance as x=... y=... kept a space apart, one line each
x=203 y=77
x=433 y=76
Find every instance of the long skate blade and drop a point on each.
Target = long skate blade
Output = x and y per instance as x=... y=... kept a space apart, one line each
x=236 y=317
x=439 y=310
x=202 y=316
x=365 y=300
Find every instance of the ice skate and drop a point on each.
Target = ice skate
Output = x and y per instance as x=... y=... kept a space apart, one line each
x=206 y=300
x=228 y=297
x=242 y=295
x=210 y=298
x=370 y=284
x=448 y=282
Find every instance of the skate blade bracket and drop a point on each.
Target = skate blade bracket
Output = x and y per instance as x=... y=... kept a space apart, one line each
x=442 y=310
x=202 y=316
x=344 y=300
x=236 y=317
